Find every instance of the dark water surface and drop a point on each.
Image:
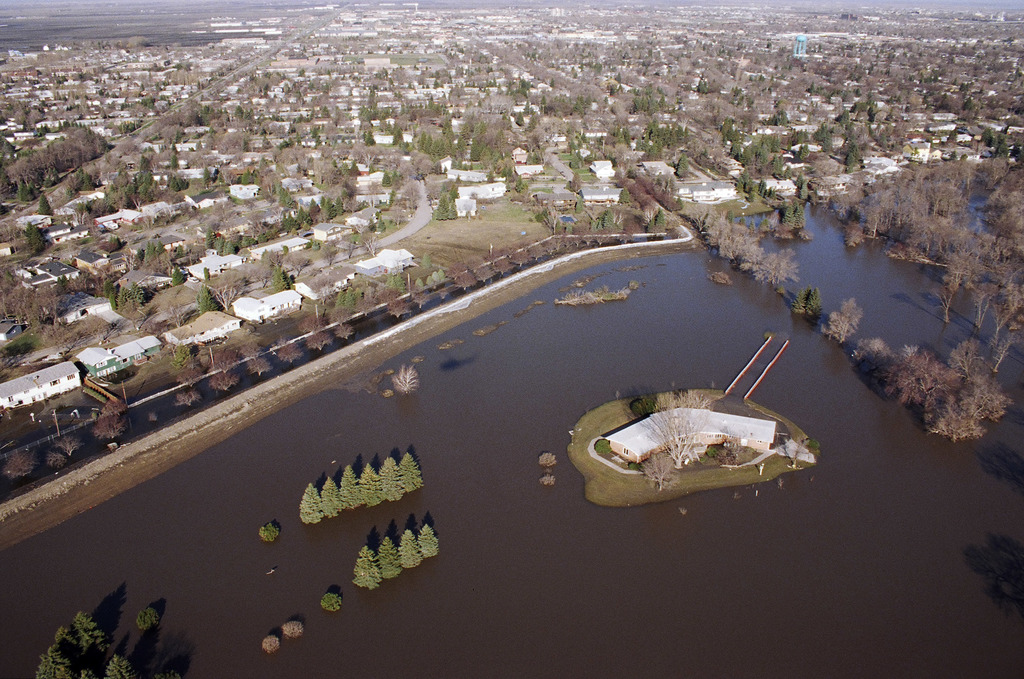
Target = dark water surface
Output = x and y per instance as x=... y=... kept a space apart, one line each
x=854 y=568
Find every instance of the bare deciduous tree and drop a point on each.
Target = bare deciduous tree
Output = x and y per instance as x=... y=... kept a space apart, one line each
x=227 y=287
x=224 y=381
x=658 y=468
x=258 y=365
x=843 y=323
x=67 y=444
x=20 y=463
x=677 y=427
x=188 y=397
x=289 y=353
x=406 y=380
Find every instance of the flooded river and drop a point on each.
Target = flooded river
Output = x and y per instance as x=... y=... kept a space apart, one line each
x=853 y=568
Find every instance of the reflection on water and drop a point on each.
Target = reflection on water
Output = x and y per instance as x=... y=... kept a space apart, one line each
x=861 y=557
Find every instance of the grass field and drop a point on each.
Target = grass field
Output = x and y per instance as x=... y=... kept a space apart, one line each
x=496 y=225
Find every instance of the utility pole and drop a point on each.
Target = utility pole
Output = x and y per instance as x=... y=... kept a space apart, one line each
x=55 y=422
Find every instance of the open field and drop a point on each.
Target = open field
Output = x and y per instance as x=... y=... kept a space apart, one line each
x=496 y=225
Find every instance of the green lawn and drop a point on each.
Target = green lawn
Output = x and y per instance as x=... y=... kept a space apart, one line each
x=610 y=488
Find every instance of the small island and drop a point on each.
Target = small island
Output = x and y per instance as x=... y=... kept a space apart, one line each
x=659 y=447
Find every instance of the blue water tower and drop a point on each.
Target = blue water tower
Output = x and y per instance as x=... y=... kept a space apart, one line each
x=800 y=47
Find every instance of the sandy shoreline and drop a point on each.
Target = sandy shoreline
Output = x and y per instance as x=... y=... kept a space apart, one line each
x=84 y=488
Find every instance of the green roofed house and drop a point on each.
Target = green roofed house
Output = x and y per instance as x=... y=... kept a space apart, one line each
x=100 y=362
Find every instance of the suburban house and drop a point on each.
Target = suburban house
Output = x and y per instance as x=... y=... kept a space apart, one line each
x=77 y=305
x=602 y=169
x=831 y=186
x=208 y=199
x=465 y=207
x=781 y=187
x=326 y=282
x=329 y=231
x=244 y=191
x=600 y=194
x=306 y=202
x=635 y=442
x=657 y=168
x=467 y=176
x=144 y=279
x=212 y=325
x=6 y=249
x=118 y=219
x=214 y=264
x=62 y=233
x=520 y=156
x=529 y=170
x=10 y=329
x=386 y=261
x=921 y=152
x=47 y=273
x=556 y=198
x=100 y=362
x=40 y=385
x=259 y=310
x=68 y=208
x=293 y=243
x=445 y=163
x=363 y=218
x=483 y=191
x=293 y=184
x=878 y=166
x=707 y=192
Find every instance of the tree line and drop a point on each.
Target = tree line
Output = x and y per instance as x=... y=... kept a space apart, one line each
x=371 y=487
x=389 y=560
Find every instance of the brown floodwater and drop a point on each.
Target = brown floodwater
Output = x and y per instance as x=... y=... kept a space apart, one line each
x=853 y=568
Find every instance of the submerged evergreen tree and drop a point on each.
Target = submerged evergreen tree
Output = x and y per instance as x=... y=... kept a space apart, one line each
x=120 y=668
x=370 y=486
x=807 y=303
x=409 y=554
x=366 y=573
x=410 y=472
x=310 y=507
x=391 y=480
x=349 y=490
x=428 y=542
x=330 y=498
x=387 y=559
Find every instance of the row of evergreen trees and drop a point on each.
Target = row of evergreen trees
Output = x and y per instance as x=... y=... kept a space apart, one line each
x=389 y=561
x=370 y=488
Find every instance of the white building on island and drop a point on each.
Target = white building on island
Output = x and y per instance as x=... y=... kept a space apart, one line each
x=636 y=442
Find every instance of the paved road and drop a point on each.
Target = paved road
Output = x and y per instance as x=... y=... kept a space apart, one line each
x=419 y=219
x=552 y=159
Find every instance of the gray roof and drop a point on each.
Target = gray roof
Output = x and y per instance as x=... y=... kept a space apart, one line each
x=643 y=436
x=26 y=382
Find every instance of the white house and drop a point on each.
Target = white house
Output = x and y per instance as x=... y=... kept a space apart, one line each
x=362 y=219
x=293 y=184
x=244 y=191
x=210 y=326
x=207 y=199
x=529 y=170
x=306 y=202
x=707 y=192
x=293 y=243
x=878 y=166
x=483 y=191
x=467 y=176
x=10 y=329
x=781 y=187
x=214 y=264
x=326 y=282
x=657 y=168
x=118 y=219
x=386 y=261
x=600 y=194
x=77 y=305
x=602 y=169
x=40 y=385
x=445 y=163
x=465 y=207
x=364 y=181
x=259 y=310
x=637 y=441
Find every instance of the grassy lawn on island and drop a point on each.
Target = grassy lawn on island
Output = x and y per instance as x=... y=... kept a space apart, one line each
x=500 y=225
x=610 y=488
